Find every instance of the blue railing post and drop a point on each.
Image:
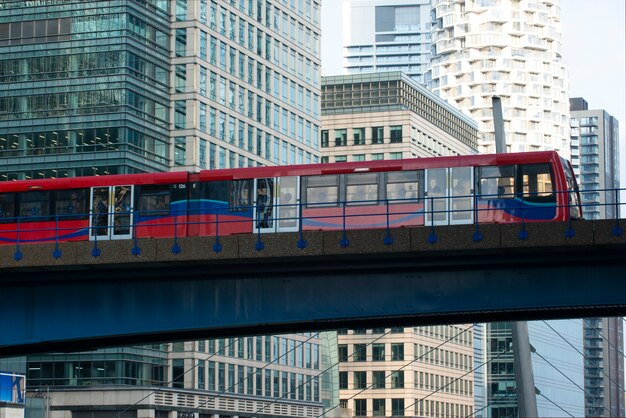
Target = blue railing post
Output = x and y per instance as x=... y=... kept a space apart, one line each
x=57 y=251
x=259 y=246
x=344 y=239
x=217 y=247
x=477 y=237
x=617 y=230
x=570 y=233
x=95 y=252
x=523 y=234
x=388 y=238
x=18 y=254
x=301 y=242
x=136 y=250
x=176 y=249
x=432 y=237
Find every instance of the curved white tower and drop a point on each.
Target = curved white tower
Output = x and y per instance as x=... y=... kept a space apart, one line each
x=510 y=49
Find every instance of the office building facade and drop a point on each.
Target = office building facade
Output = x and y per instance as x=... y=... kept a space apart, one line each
x=277 y=376
x=422 y=372
x=246 y=83
x=86 y=88
x=510 y=49
x=140 y=86
x=595 y=159
x=389 y=116
x=387 y=35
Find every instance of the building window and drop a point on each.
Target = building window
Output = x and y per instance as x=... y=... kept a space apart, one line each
x=378 y=407
x=343 y=380
x=358 y=134
x=341 y=137
x=378 y=352
x=358 y=157
x=378 y=156
x=342 y=350
x=360 y=380
x=378 y=380
x=397 y=407
x=397 y=380
x=397 y=351
x=324 y=143
x=359 y=352
x=377 y=135
x=395 y=134
x=341 y=158
x=395 y=155
x=360 y=407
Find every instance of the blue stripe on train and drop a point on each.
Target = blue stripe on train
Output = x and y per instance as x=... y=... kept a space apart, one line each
x=519 y=209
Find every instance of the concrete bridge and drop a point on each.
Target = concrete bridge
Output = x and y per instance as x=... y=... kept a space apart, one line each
x=85 y=295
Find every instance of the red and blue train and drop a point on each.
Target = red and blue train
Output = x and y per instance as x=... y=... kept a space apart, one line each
x=502 y=188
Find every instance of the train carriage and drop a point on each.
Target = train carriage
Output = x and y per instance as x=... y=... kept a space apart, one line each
x=502 y=188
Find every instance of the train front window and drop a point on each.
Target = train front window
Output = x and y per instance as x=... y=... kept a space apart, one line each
x=403 y=187
x=496 y=182
x=35 y=205
x=362 y=189
x=7 y=206
x=536 y=182
x=322 y=191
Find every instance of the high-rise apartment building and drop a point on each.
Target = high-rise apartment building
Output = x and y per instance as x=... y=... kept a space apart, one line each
x=387 y=35
x=389 y=116
x=510 y=49
x=604 y=367
x=422 y=372
x=595 y=159
x=135 y=86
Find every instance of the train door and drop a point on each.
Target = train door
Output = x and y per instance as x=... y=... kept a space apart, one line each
x=111 y=212
x=449 y=196
x=276 y=204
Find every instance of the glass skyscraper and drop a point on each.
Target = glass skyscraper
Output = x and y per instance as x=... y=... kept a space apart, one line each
x=85 y=88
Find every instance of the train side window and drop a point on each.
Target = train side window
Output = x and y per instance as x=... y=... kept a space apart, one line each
x=536 y=183
x=240 y=195
x=154 y=200
x=322 y=191
x=71 y=204
x=496 y=182
x=362 y=189
x=35 y=205
x=7 y=207
x=403 y=187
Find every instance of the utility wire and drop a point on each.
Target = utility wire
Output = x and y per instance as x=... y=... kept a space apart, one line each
x=538 y=392
x=534 y=351
x=584 y=356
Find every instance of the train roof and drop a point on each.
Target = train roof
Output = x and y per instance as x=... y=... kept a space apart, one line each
x=279 y=171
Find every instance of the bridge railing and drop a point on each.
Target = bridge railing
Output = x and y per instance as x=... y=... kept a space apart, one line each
x=353 y=214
